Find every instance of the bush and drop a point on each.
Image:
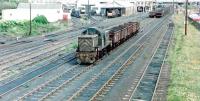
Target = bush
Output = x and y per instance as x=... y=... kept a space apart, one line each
x=5 y=25
x=40 y=19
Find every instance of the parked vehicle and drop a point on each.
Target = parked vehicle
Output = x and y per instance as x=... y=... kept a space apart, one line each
x=113 y=13
x=75 y=13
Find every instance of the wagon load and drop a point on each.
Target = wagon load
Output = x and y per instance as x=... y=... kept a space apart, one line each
x=94 y=43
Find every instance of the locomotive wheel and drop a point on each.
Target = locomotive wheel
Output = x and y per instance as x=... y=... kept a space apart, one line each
x=78 y=61
x=92 y=59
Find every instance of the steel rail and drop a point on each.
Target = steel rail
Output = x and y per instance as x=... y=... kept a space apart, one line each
x=50 y=93
x=104 y=70
x=11 y=89
x=117 y=74
x=46 y=83
x=143 y=72
x=23 y=83
x=161 y=70
x=19 y=58
x=114 y=77
x=129 y=95
x=60 y=36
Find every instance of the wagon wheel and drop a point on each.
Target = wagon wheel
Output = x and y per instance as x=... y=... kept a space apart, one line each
x=92 y=59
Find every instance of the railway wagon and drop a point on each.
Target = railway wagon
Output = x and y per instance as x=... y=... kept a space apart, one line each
x=160 y=12
x=94 y=43
x=152 y=14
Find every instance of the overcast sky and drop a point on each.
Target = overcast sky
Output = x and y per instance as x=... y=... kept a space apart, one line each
x=177 y=0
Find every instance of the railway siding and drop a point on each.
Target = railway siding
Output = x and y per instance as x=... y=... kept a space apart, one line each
x=47 y=66
x=160 y=91
x=25 y=61
x=29 y=76
x=117 y=76
x=68 y=89
x=145 y=88
x=91 y=87
x=120 y=89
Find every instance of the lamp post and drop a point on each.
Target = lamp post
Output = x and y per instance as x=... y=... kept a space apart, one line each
x=186 y=16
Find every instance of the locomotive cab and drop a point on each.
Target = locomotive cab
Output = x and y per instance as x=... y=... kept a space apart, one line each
x=90 y=44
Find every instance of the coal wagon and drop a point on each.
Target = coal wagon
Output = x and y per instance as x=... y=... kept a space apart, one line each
x=94 y=42
x=159 y=11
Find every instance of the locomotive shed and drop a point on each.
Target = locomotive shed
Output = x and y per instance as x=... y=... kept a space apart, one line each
x=45 y=71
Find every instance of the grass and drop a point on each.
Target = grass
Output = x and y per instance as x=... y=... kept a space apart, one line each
x=21 y=28
x=73 y=45
x=184 y=58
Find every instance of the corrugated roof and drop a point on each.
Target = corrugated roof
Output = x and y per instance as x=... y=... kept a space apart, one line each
x=178 y=0
x=112 y=5
x=40 y=6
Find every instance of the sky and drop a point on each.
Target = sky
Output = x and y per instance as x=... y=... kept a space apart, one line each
x=178 y=0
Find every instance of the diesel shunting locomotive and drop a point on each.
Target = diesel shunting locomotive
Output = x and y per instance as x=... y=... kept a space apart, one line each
x=94 y=43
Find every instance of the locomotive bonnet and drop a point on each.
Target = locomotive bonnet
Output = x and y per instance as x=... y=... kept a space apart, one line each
x=90 y=42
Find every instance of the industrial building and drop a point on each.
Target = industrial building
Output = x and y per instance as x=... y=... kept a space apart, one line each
x=126 y=6
x=101 y=7
x=24 y=10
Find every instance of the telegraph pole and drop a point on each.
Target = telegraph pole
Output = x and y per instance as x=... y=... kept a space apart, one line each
x=133 y=7
x=30 y=21
x=173 y=7
x=88 y=9
x=186 y=16
x=76 y=4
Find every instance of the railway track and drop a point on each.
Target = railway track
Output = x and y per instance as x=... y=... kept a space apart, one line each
x=109 y=83
x=43 y=95
x=11 y=85
x=4 y=60
x=21 y=48
x=23 y=58
x=33 y=63
x=160 y=90
x=20 y=57
x=102 y=83
x=7 y=60
x=144 y=85
x=107 y=69
x=99 y=95
x=54 y=84
x=17 y=85
x=26 y=44
x=20 y=62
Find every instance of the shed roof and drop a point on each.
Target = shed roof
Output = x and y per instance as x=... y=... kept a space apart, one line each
x=40 y=6
x=125 y=3
x=113 y=4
